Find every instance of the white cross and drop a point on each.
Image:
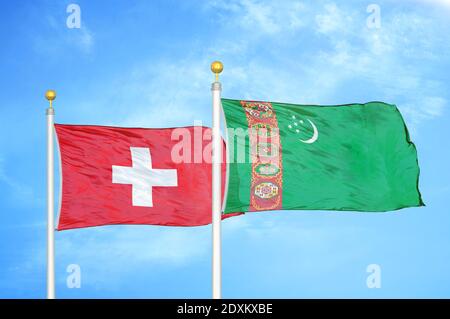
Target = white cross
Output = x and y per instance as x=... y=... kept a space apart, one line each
x=142 y=176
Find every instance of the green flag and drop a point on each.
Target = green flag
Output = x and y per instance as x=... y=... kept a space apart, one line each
x=355 y=157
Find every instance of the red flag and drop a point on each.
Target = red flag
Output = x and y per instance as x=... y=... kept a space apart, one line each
x=113 y=175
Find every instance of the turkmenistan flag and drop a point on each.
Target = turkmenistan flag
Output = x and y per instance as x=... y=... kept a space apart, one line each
x=355 y=157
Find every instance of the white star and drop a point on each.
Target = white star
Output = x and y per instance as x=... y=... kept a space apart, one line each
x=301 y=121
x=298 y=131
x=295 y=123
x=293 y=117
x=290 y=126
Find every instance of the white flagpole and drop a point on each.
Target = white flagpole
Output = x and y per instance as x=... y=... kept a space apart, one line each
x=50 y=95
x=216 y=68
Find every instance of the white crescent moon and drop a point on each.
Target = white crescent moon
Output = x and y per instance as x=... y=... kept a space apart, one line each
x=315 y=134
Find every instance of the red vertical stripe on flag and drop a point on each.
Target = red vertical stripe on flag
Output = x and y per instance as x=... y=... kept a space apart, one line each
x=267 y=167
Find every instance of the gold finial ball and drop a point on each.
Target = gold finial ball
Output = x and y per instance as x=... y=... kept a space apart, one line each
x=50 y=95
x=216 y=67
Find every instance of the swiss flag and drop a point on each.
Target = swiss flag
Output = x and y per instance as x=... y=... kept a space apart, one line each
x=113 y=175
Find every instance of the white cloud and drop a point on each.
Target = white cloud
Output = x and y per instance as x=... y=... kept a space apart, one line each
x=59 y=38
x=434 y=106
x=140 y=247
x=386 y=59
x=444 y=3
x=339 y=51
x=84 y=39
x=147 y=245
x=332 y=20
x=261 y=17
x=424 y=108
x=173 y=91
x=19 y=192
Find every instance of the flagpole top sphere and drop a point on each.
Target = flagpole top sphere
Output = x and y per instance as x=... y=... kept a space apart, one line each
x=50 y=95
x=217 y=68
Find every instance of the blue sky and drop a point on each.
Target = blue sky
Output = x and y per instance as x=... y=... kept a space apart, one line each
x=146 y=63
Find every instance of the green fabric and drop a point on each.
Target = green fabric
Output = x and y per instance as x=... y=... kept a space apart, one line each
x=362 y=160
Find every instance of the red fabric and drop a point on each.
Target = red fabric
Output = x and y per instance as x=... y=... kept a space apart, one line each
x=89 y=198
